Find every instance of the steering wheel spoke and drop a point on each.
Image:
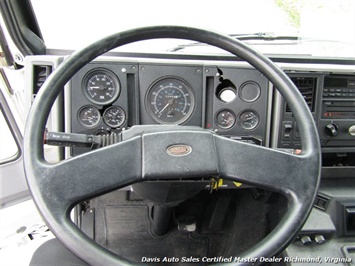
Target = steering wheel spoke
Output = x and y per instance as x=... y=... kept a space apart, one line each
x=79 y=178
x=268 y=168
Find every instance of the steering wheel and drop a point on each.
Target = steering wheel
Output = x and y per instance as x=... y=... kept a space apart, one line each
x=57 y=188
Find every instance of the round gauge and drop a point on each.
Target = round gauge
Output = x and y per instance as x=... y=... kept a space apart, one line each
x=225 y=119
x=101 y=86
x=89 y=116
x=249 y=119
x=170 y=101
x=114 y=116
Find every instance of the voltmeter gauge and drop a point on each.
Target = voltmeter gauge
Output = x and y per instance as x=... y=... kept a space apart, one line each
x=89 y=116
x=225 y=119
x=114 y=116
x=249 y=119
x=101 y=86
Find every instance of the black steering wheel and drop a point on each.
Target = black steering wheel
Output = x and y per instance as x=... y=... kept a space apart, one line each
x=57 y=188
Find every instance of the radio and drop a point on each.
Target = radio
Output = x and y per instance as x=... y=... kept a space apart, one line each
x=337 y=121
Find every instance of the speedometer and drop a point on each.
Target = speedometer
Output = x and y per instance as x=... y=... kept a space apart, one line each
x=170 y=100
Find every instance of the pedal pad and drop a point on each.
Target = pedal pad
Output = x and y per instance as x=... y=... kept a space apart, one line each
x=186 y=224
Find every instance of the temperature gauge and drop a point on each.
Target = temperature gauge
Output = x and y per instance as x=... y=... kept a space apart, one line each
x=249 y=120
x=114 y=116
x=225 y=119
x=89 y=116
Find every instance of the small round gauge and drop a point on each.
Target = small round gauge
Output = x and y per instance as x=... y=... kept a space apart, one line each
x=225 y=119
x=114 y=116
x=101 y=86
x=89 y=116
x=249 y=119
x=170 y=101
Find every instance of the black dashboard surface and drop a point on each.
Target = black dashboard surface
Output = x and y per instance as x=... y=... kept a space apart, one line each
x=215 y=92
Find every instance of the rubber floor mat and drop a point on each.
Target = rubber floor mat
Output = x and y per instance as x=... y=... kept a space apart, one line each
x=128 y=235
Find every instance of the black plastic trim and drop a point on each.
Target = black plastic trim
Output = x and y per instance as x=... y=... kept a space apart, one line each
x=23 y=26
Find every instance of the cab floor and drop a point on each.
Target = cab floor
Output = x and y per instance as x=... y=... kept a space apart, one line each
x=122 y=222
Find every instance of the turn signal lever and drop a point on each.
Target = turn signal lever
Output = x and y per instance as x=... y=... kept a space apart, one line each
x=79 y=140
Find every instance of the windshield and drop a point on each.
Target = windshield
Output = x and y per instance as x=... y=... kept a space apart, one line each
x=323 y=28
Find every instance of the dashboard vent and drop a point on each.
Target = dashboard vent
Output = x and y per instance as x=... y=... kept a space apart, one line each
x=40 y=74
x=307 y=87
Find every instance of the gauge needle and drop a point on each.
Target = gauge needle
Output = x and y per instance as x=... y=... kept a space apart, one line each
x=162 y=110
x=98 y=88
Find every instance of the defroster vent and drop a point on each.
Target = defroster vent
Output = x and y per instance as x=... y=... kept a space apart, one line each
x=307 y=87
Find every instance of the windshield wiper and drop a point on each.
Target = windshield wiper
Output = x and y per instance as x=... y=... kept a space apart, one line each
x=264 y=36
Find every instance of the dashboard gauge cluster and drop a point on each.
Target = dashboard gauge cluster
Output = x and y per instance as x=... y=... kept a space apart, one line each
x=108 y=97
x=239 y=102
x=100 y=99
x=101 y=87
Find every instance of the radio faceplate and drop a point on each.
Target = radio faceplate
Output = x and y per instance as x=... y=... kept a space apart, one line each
x=337 y=121
x=333 y=112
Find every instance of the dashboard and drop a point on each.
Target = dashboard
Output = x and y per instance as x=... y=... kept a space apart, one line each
x=223 y=94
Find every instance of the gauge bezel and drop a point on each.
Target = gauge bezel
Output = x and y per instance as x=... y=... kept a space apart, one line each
x=185 y=84
x=102 y=71
x=225 y=127
x=256 y=114
x=116 y=125
x=81 y=122
x=242 y=87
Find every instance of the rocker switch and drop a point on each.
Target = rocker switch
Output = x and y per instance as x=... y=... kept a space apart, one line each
x=287 y=128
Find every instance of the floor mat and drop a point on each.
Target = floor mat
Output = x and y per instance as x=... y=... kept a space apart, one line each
x=129 y=226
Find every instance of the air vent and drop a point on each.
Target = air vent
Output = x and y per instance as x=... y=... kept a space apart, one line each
x=40 y=74
x=307 y=87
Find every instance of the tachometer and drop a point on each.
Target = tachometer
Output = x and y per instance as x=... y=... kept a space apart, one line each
x=170 y=100
x=101 y=86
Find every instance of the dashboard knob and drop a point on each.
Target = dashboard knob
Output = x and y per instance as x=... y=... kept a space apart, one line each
x=352 y=130
x=331 y=130
x=306 y=240
x=319 y=239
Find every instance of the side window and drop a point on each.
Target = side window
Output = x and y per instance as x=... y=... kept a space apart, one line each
x=8 y=147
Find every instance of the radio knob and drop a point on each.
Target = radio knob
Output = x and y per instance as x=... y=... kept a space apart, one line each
x=352 y=130
x=331 y=130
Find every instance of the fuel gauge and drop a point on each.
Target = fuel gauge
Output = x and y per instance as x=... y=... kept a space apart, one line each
x=225 y=119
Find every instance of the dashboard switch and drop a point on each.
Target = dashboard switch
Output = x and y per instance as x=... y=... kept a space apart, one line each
x=287 y=129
